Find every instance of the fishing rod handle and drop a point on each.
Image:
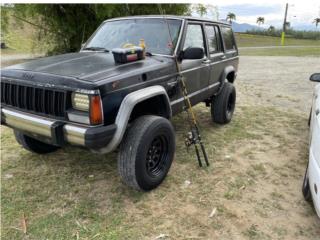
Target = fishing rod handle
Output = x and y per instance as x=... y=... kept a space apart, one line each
x=198 y=155
x=204 y=154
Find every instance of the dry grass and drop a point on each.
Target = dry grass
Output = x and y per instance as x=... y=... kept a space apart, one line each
x=249 y=40
x=73 y=193
x=257 y=166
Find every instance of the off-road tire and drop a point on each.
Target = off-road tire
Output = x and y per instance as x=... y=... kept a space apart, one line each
x=306 y=187
x=223 y=105
x=149 y=139
x=34 y=145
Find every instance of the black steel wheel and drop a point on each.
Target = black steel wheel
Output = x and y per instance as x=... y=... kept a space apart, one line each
x=146 y=152
x=157 y=155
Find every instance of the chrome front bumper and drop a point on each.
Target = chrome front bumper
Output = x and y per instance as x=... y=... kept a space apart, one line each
x=56 y=131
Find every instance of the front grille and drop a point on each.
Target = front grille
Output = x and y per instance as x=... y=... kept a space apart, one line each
x=34 y=99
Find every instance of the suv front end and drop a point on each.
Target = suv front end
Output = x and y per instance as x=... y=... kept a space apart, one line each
x=55 y=115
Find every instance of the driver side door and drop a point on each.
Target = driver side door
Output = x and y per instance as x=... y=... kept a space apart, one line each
x=196 y=72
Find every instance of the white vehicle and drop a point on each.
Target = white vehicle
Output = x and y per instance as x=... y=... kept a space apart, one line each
x=311 y=182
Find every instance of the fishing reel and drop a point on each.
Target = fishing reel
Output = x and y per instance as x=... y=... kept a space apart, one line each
x=190 y=139
x=193 y=138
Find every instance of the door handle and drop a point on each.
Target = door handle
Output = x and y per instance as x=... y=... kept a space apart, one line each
x=172 y=88
x=317 y=112
x=206 y=61
x=172 y=84
x=223 y=57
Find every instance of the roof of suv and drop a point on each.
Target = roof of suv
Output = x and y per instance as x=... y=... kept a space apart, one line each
x=171 y=17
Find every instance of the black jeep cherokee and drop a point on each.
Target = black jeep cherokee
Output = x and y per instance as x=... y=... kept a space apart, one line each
x=88 y=99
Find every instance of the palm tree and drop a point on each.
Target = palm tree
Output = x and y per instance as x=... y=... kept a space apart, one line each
x=260 y=20
x=230 y=17
x=316 y=21
x=271 y=28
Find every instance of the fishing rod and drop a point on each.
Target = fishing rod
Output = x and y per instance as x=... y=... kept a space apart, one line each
x=194 y=136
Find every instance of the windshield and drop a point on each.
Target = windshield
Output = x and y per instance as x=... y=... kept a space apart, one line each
x=154 y=31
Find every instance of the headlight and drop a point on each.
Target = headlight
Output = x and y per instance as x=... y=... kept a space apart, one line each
x=80 y=101
x=86 y=109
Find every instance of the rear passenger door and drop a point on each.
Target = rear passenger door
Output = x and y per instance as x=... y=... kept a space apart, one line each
x=216 y=54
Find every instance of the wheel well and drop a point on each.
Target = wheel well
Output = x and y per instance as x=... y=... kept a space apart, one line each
x=152 y=106
x=230 y=77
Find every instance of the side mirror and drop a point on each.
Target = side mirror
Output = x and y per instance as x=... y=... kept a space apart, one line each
x=82 y=45
x=192 y=53
x=315 y=77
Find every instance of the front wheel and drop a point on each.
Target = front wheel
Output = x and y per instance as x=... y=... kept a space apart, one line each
x=223 y=105
x=33 y=145
x=146 y=152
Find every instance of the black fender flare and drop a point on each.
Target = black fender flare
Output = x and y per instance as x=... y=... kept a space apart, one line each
x=126 y=108
x=223 y=77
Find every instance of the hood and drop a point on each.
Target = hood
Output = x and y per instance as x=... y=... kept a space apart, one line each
x=87 y=66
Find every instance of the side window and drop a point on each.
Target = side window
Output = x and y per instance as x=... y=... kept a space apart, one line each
x=228 y=39
x=212 y=39
x=194 y=36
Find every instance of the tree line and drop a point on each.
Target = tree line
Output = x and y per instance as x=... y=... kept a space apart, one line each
x=272 y=31
x=66 y=26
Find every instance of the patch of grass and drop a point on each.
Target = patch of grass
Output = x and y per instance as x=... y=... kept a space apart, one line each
x=266 y=207
x=298 y=52
x=256 y=170
x=254 y=233
x=250 y=40
x=276 y=195
x=74 y=194
x=280 y=231
x=236 y=187
x=260 y=168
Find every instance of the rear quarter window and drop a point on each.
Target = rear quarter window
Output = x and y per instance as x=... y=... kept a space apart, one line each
x=228 y=38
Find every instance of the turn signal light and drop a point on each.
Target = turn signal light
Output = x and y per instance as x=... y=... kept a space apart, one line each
x=96 y=115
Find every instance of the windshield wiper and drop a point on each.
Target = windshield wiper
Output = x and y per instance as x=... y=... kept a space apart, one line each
x=96 y=49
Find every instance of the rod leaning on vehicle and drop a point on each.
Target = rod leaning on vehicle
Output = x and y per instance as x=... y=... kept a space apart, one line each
x=193 y=137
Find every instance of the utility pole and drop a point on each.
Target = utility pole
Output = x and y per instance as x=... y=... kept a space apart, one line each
x=284 y=25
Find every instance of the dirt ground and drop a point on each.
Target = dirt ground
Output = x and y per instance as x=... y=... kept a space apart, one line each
x=252 y=190
x=281 y=83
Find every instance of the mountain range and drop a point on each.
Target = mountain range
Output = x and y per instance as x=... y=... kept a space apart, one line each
x=243 y=27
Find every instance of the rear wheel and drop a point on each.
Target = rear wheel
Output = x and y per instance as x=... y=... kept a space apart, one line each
x=306 y=187
x=223 y=105
x=146 y=152
x=33 y=145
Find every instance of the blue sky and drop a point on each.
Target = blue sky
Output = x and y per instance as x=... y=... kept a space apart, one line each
x=300 y=12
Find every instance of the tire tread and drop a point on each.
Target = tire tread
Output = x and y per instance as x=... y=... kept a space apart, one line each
x=219 y=104
x=129 y=147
